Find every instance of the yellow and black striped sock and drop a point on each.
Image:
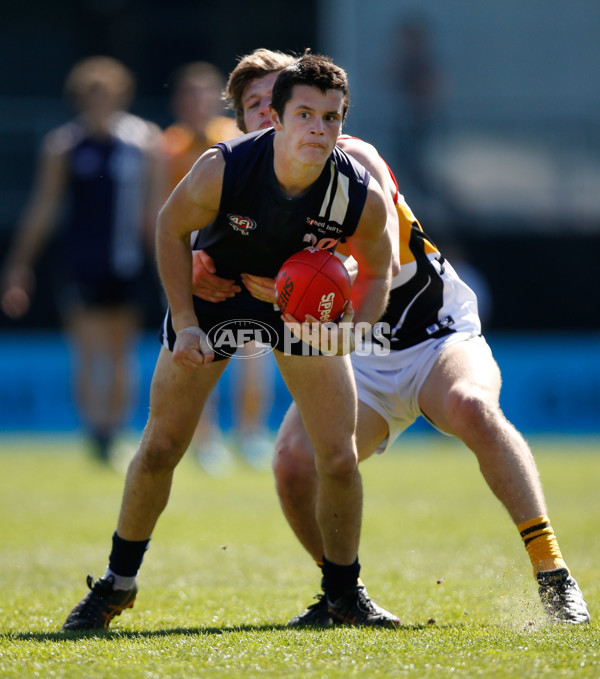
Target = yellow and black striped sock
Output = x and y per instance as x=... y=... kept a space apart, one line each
x=541 y=544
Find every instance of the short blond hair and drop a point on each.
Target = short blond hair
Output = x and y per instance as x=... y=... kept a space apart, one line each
x=257 y=64
x=100 y=70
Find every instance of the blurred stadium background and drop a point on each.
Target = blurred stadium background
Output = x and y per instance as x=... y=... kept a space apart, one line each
x=507 y=179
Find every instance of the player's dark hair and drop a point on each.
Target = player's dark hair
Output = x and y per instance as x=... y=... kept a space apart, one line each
x=314 y=70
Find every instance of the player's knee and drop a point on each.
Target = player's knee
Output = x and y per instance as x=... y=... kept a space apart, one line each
x=293 y=463
x=338 y=463
x=472 y=409
x=161 y=452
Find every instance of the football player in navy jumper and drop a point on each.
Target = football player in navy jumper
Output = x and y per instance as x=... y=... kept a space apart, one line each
x=256 y=200
x=445 y=370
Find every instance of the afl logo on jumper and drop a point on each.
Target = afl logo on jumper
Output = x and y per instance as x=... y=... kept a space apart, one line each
x=242 y=224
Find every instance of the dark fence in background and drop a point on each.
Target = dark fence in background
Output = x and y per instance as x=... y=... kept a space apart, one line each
x=537 y=284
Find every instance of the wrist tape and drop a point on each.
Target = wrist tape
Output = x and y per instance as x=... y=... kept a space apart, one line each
x=192 y=330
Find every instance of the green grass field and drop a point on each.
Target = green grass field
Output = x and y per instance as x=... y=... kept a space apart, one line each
x=223 y=573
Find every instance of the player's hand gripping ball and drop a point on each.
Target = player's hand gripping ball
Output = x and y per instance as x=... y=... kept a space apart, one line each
x=313 y=282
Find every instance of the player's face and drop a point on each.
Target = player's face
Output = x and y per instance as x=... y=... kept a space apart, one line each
x=256 y=100
x=99 y=99
x=312 y=122
x=196 y=101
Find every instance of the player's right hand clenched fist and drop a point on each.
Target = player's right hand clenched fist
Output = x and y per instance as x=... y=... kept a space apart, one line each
x=192 y=348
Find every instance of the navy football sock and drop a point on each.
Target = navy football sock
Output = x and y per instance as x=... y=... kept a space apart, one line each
x=127 y=555
x=337 y=579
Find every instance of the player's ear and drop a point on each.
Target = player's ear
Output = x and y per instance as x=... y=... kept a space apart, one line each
x=275 y=118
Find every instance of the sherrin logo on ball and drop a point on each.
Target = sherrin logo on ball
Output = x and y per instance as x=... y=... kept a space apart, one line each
x=325 y=307
x=313 y=282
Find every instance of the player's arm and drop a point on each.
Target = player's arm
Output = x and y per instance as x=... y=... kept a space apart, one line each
x=371 y=247
x=34 y=229
x=367 y=155
x=205 y=282
x=193 y=205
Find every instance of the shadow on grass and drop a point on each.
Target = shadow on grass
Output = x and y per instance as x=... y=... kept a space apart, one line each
x=137 y=634
x=111 y=635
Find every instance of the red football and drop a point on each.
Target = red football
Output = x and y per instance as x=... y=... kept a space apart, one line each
x=313 y=282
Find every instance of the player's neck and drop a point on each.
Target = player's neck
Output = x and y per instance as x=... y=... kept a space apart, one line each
x=99 y=125
x=293 y=177
x=197 y=127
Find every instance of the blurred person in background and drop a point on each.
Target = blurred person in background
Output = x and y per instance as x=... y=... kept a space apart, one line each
x=197 y=108
x=98 y=167
x=420 y=85
x=197 y=105
x=439 y=367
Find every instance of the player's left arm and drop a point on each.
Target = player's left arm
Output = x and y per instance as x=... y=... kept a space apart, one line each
x=371 y=246
x=368 y=156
